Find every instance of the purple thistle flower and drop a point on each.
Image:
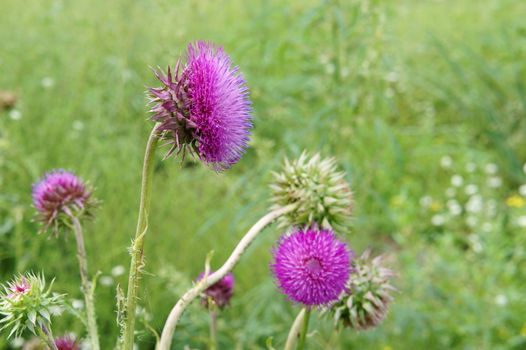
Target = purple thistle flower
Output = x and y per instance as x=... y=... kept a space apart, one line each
x=66 y=343
x=57 y=194
x=220 y=293
x=204 y=108
x=18 y=287
x=311 y=267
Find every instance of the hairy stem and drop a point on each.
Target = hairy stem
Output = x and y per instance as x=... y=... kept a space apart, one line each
x=87 y=288
x=137 y=248
x=195 y=291
x=304 y=329
x=295 y=330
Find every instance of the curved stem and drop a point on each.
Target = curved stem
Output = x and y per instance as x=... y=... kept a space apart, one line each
x=87 y=288
x=191 y=294
x=137 y=248
x=294 y=330
x=304 y=329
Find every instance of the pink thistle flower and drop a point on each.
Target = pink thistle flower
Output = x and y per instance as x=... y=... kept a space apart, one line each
x=66 y=343
x=204 y=108
x=60 y=194
x=18 y=288
x=220 y=293
x=311 y=267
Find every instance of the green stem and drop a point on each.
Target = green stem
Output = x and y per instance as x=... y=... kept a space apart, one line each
x=46 y=336
x=138 y=243
x=304 y=329
x=295 y=330
x=213 y=329
x=87 y=288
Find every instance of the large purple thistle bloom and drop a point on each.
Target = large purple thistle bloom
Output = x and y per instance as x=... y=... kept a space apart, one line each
x=311 y=267
x=203 y=107
x=220 y=292
x=59 y=192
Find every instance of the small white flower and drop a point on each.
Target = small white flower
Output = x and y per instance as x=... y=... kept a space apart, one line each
x=474 y=204
x=15 y=114
x=494 y=182
x=491 y=168
x=471 y=167
x=471 y=221
x=47 y=82
x=522 y=190
x=77 y=304
x=471 y=189
x=454 y=208
x=118 y=270
x=78 y=125
x=17 y=342
x=446 y=162
x=457 y=180
x=426 y=201
x=438 y=220
x=106 y=281
x=451 y=192
x=521 y=221
x=501 y=300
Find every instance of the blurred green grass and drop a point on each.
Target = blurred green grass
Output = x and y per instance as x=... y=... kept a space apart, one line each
x=387 y=88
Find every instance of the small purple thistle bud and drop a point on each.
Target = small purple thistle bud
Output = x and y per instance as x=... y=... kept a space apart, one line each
x=59 y=195
x=66 y=343
x=204 y=108
x=311 y=267
x=219 y=293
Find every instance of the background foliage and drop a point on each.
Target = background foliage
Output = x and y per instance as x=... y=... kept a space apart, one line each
x=422 y=102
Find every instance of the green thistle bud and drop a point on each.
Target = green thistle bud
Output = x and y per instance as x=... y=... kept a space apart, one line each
x=26 y=304
x=322 y=195
x=365 y=303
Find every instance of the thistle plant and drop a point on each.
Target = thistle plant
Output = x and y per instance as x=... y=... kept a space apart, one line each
x=201 y=108
x=62 y=200
x=66 y=343
x=26 y=304
x=367 y=296
x=319 y=190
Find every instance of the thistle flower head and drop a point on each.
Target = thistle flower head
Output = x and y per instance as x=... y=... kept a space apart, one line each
x=311 y=267
x=365 y=302
x=60 y=195
x=203 y=107
x=319 y=190
x=219 y=293
x=26 y=304
x=66 y=343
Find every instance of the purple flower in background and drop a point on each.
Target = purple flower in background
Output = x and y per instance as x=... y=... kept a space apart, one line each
x=220 y=293
x=311 y=267
x=57 y=194
x=66 y=343
x=204 y=107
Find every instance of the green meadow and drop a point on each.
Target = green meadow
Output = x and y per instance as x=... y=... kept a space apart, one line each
x=422 y=103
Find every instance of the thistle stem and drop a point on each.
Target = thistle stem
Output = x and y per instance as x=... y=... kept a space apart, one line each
x=195 y=291
x=213 y=329
x=295 y=330
x=137 y=248
x=87 y=288
x=304 y=329
x=46 y=336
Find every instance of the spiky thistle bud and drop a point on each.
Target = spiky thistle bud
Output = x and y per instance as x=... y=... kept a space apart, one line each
x=58 y=196
x=319 y=190
x=26 y=303
x=219 y=293
x=365 y=302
